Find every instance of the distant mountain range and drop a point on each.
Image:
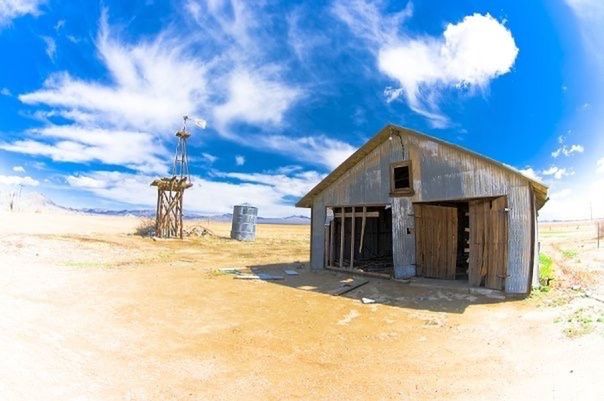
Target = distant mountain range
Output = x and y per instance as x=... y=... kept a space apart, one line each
x=36 y=202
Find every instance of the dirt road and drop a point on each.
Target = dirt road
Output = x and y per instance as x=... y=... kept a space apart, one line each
x=88 y=312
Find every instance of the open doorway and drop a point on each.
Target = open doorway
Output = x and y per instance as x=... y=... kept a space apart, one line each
x=359 y=238
x=463 y=240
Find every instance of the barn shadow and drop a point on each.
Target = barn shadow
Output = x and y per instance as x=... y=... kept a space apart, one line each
x=415 y=295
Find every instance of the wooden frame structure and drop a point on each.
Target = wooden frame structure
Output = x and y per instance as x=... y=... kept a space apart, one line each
x=330 y=240
x=168 y=214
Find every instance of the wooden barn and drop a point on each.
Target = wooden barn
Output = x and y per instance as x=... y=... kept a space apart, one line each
x=406 y=204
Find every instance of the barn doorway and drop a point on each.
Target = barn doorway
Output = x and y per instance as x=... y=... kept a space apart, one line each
x=359 y=239
x=463 y=240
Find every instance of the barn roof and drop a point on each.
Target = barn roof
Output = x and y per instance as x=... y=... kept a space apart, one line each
x=383 y=135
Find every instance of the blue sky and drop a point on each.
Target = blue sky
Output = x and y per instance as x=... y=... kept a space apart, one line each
x=92 y=93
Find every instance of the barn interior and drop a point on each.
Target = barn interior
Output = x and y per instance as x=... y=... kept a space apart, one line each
x=360 y=239
x=463 y=240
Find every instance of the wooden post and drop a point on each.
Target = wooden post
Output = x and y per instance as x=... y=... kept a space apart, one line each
x=363 y=228
x=343 y=226
x=598 y=235
x=332 y=228
x=352 y=240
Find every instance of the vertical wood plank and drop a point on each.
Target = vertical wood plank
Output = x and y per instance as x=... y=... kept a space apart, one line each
x=363 y=221
x=352 y=239
x=342 y=229
x=332 y=228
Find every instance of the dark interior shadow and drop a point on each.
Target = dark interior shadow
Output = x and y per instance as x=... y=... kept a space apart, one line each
x=381 y=291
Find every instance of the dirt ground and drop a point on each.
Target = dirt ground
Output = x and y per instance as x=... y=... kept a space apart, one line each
x=89 y=311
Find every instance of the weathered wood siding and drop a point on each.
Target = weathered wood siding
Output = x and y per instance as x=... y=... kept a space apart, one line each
x=440 y=172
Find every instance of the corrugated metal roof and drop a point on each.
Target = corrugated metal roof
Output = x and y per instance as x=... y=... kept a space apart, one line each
x=383 y=135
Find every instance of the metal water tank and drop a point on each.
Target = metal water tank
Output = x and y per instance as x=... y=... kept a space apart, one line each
x=244 y=222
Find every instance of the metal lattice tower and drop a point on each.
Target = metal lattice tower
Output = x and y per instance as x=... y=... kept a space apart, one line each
x=170 y=191
x=180 y=168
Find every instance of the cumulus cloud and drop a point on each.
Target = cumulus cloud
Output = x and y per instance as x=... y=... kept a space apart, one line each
x=239 y=160
x=18 y=180
x=468 y=55
x=11 y=9
x=18 y=169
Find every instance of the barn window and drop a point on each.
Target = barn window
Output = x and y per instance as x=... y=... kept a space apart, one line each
x=401 y=179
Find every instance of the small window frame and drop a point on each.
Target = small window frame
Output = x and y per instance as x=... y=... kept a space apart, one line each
x=401 y=191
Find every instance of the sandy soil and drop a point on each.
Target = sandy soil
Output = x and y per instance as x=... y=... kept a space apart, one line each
x=89 y=312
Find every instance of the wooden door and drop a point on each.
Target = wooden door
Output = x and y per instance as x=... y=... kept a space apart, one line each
x=436 y=241
x=488 y=243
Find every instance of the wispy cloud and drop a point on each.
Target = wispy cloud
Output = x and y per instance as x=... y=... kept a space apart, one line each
x=568 y=150
x=557 y=172
x=11 y=9
x=239 y=160
x=213 y=196
x=468 y=55
x=136 y=150
x=51 y=47
x=18 y=169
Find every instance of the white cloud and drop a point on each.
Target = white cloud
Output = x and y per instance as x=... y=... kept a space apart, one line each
x=469 y=55
x=209 y=158
x=18 y=169
x=18 y=180
x=239 y=160
x=567 y=150
x=136 y=150
x=11 y=9
x=557 y=172
x=531 y=173
x=5 y=92
x=147 y=91
x=318 y=149
x=255 y=98
x=297 y=185
x=267 y=192
x=600 y=166
x=51 y=47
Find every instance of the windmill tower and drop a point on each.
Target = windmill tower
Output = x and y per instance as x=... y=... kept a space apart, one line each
x=170 y=190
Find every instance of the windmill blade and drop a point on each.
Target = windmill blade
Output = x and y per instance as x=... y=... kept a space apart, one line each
x=200 y=122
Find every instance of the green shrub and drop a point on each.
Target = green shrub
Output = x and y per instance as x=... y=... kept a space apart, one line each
x=546 y=271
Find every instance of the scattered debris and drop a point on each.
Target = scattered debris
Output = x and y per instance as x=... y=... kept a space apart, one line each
x=367 y=300
x=347 y=287
x=230 y=270
x=259 y=276
x=198 y=231
x=290 y=272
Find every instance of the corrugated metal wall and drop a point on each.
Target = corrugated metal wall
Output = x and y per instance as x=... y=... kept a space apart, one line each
x=439 y=173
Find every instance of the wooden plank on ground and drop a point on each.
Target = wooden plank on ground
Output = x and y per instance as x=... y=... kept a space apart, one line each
x=346 y=288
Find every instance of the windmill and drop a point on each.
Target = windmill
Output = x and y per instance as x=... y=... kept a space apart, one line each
x=170 y=190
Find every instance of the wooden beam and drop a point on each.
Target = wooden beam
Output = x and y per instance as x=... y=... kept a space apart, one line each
x=364 y=219
x=368 y=214
x=352 y=240
x=343 y=226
